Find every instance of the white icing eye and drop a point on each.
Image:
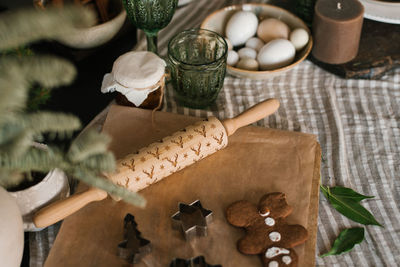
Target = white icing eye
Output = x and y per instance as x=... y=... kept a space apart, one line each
x=275 y=251
x=275 y=236
x=269 y=221
x=273 y=264
x=264 y=214
x=286 y=260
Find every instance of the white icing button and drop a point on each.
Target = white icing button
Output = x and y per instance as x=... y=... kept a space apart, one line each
x=264 y=214
x=273 y=264
x=275 y=251
x=269 y=221
x=286 y=260
x=275 y=236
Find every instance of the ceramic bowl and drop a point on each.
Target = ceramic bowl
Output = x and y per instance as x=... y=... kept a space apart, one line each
x=217 y=21
x=53 y=187
x=97 y=35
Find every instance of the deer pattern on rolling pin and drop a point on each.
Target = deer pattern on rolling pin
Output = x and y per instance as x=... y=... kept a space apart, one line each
x=149 y=174
x=126 y=184
x=179 y=142
x=196 y=150
x=219 y=139
x=130 y=165
x=156 y=153
x=174 y=161
x=201 y=131
x=174 y=153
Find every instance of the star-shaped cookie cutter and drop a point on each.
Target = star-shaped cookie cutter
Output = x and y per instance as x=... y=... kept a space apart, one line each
x=193 y=262
x=192 y=219
x=133 y=247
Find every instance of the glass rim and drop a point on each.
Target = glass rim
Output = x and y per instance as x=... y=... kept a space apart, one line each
x=198 y=30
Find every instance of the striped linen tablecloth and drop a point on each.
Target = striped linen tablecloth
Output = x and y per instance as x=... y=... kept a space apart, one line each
x=358 y=126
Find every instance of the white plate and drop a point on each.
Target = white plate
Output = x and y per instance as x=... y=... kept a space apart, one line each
x=388 y=12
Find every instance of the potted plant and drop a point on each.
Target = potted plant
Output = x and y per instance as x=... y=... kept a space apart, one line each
x=84 y=157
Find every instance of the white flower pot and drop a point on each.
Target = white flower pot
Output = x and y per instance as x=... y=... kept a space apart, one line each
x=52 y=188
x=11 y=231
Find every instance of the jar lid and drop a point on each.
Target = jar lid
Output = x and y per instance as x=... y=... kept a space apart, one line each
x=138 y=69
x=135 y=75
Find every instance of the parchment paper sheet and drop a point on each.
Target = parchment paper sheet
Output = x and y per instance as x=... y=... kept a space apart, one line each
x=256 y=161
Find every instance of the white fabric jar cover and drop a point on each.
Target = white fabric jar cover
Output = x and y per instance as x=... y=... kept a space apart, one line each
x=135 y=75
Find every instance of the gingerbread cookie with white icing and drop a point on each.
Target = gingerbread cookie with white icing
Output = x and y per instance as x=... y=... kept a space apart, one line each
x=267 y=232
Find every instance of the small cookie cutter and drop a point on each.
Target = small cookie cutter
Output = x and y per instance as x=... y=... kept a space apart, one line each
x=133 y=248
x=199 y=261
x=192 y=219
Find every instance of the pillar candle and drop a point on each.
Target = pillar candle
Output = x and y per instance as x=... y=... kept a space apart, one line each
x=336 y=30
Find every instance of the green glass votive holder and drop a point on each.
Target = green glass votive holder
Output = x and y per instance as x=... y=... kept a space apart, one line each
x=197 y=64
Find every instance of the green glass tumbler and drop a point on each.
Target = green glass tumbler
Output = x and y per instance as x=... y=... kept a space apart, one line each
x=197 y=63
x=150 y=16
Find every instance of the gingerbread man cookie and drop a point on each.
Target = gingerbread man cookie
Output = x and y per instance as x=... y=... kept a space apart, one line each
x=267 y=232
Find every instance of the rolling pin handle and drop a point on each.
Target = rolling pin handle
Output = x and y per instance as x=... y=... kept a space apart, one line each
x=61 y=209
x=253 y=114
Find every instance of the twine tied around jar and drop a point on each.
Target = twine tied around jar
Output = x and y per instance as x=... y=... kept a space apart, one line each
x=139 y=79
x=161 y=84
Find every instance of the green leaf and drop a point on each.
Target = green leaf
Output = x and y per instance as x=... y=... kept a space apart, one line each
x=349 y=207
x=346 y=240
x=347 y=193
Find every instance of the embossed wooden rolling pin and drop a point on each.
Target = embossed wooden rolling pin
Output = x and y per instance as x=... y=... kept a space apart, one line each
x=161 y=159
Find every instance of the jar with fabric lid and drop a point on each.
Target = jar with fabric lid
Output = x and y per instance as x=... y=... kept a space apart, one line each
x=139 y=79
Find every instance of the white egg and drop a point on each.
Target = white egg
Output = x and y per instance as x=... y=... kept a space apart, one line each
x=247 y=64
x=247 y=52
x=255 y=43
x=232 y=58
x=241 y=26
x=229 y=43
x=275 y=54
x=299 y=38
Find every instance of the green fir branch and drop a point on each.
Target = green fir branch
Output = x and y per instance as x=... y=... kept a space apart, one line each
x=17 y=145
x=41 y=122
x=38 y=96
x=29 y=25
x=49 y=71
x=12 y=94
x=87 y=144
x=115 y=190
x=9 y=178
x=104 y=162
x=34 y=160
x=87 y=156
x=9 y=130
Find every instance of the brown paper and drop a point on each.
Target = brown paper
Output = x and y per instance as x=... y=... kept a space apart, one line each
x=256 y=161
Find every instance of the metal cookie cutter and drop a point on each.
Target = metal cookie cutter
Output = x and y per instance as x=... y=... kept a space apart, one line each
x=134 y=247
x=192 y=219
x=199 y=261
